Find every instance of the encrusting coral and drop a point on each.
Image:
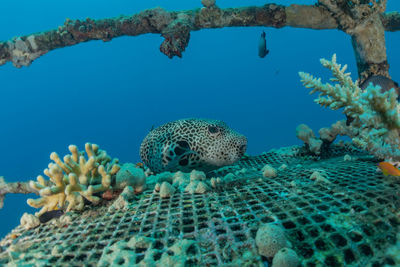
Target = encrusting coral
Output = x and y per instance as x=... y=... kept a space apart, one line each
x=361 y=19
x=74 y=179
x=364 y=20
x=376 y=114
x=13 y=187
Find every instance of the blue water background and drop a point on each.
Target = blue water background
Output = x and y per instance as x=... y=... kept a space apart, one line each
x=112 y=93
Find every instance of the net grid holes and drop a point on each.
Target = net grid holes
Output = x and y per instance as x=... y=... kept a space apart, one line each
x=350 y=221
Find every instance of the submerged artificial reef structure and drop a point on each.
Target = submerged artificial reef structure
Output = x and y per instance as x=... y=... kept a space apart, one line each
x=322 y=204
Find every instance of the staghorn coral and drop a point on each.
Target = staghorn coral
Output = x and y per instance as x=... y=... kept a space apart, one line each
x=376 y=122
x=74 y=179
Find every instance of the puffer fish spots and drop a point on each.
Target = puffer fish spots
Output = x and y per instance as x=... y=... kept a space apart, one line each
x=262 y=46
x=388 y=169
x=188 y=144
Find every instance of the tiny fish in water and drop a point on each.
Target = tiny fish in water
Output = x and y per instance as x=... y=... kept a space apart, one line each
x=139 y=165
x=262 y=46
x=14 y=236
x=388 y=169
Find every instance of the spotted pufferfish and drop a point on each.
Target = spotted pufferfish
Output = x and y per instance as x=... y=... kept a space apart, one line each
x=188 y=144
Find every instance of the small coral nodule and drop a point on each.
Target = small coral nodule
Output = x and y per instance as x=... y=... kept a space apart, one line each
x=74 y=179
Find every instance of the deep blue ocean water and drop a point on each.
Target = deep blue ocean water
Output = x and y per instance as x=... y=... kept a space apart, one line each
x=112 y=93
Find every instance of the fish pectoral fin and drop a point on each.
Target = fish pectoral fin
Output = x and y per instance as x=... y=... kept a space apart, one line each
x=181 y=160
x=177 y=154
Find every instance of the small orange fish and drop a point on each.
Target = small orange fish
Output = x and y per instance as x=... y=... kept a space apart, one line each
x=108 y=195
x=139 y=165
x=14 y=236
x=388 y=168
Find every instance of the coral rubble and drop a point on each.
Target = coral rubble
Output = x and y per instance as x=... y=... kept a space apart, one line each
x=306 y=134
x=29 y=221
x=74 y=179
x=253 y=222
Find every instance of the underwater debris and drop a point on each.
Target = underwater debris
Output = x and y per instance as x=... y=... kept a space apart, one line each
x=174 y=147
x=377 y=115
x=270 y=238
x=74 y=179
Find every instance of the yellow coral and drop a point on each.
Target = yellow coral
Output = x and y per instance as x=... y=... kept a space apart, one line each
x=74 y=179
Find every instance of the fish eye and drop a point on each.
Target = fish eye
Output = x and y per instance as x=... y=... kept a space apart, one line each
x=213 y=129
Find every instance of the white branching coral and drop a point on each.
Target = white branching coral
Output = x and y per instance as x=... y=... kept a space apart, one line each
x=376 y=123
x=345 y=94
x=74 y=179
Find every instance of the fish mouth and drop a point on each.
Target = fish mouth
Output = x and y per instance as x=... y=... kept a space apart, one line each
x=242 y=149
